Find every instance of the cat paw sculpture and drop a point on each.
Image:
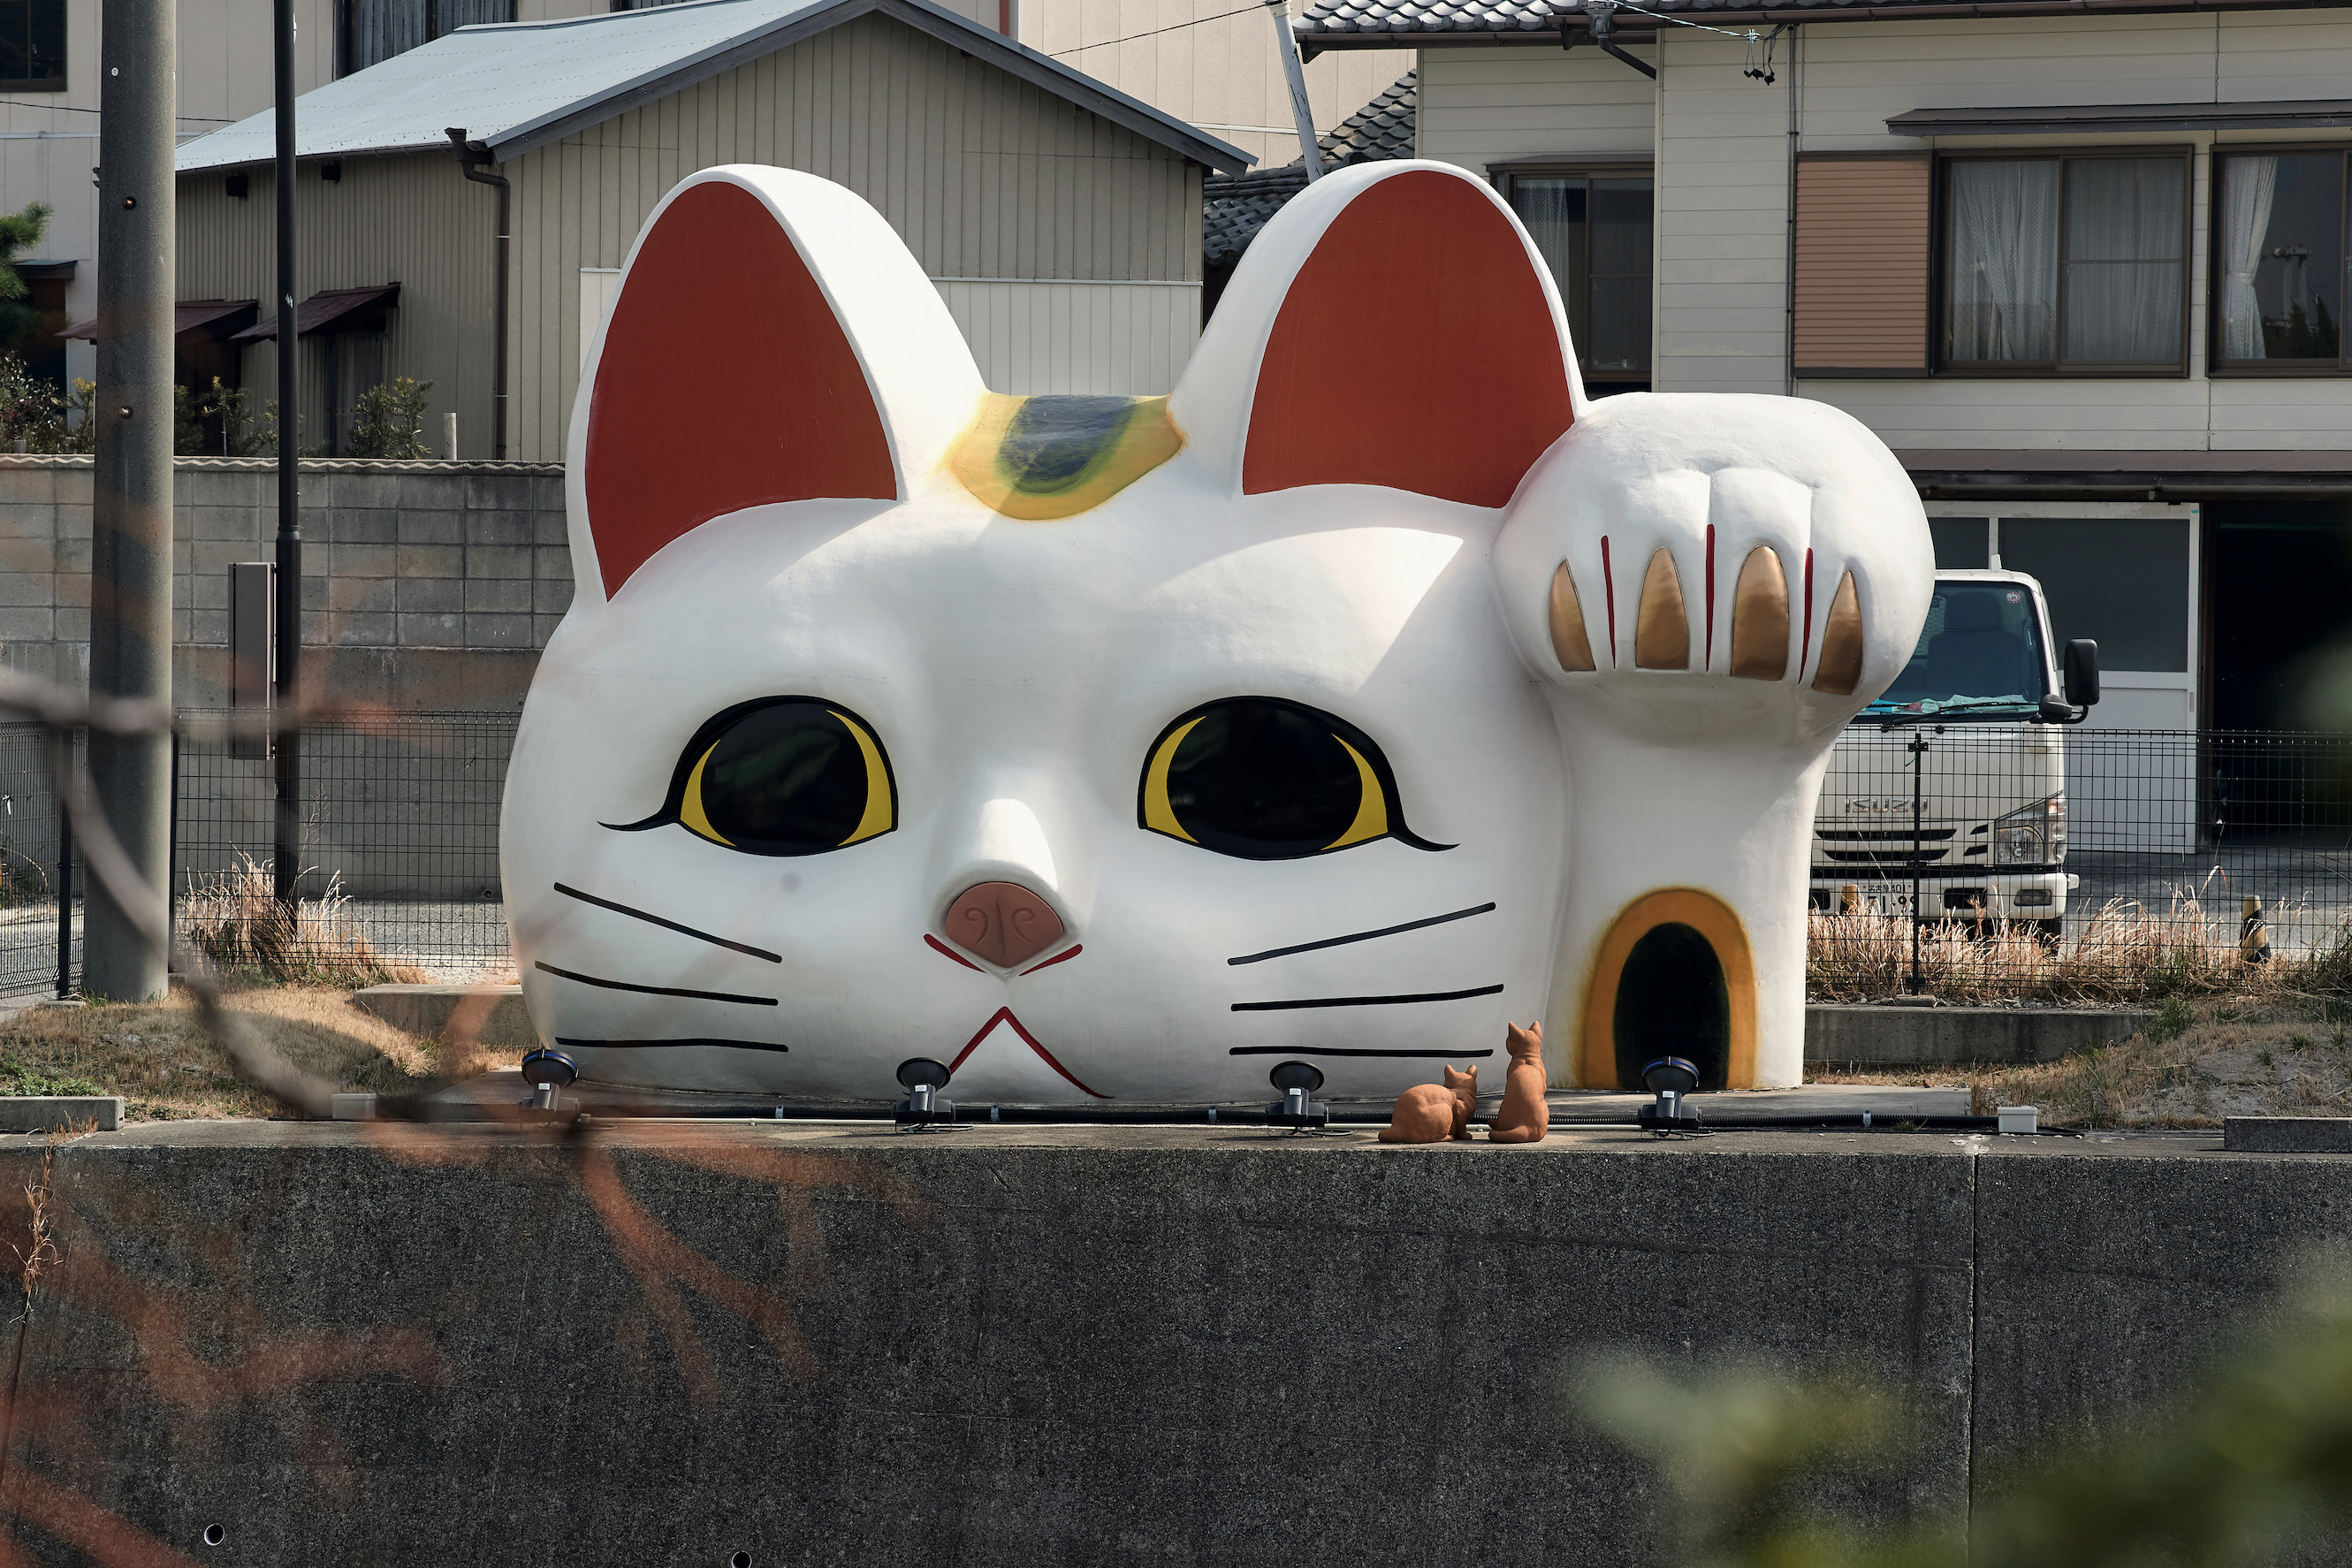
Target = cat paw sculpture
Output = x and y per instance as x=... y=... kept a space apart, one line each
x=1101 y=746
x=1526 y=1115
x=1432 y=1112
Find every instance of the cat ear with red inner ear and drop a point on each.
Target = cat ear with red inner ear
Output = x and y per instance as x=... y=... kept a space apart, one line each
x=1418 y=346
x=772 y=340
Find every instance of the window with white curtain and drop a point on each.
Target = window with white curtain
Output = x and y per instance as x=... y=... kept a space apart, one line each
x=2063 y=261
x=1595 y=231
x=2278 y=260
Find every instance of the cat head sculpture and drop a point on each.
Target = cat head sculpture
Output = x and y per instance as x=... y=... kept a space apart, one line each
x=1105 y=748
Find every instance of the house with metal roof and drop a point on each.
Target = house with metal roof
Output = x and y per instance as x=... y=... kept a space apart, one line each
x=467 y=205
x=2083 y=266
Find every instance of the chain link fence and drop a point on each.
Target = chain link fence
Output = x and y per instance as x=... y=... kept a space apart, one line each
x=2057 y=863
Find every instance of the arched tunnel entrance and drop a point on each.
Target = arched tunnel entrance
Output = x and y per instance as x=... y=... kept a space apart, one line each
x=1674 y=978
x=1671 y=1001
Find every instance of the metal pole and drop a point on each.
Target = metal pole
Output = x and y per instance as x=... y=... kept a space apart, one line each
x=1918 y=799
x=65 y=882
x=130 y=516
x=285 y=835
x=1285 y=43
x=171 y=870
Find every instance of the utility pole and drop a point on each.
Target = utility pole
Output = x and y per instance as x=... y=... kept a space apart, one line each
x=1285 y=43
x=286 y=835
x=131 y=556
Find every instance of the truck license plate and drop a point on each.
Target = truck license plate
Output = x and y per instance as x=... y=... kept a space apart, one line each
x=1866 y=898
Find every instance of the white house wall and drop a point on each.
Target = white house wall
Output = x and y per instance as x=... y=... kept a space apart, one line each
x=1202 y=60
x=1722 y=147
x=1034 y=337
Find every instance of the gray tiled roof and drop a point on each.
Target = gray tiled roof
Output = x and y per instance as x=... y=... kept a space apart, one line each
x=1328 y=18
x=1237 y=206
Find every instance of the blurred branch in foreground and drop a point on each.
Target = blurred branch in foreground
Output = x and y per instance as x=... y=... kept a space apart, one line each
x=2236 y=1468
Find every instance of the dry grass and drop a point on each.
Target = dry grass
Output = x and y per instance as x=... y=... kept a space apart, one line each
x=2195 y=1064
x=161 y=1060
x=236 y=920
x=2126 y=952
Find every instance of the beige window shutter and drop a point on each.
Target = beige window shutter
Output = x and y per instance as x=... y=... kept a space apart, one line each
x=1862 y=264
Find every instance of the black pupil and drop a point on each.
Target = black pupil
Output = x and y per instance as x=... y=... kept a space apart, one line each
x=787 y=779
x=1263 y=781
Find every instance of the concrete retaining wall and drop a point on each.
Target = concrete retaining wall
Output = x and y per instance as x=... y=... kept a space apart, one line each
x=1924 y=1036
x=425 y=585
x=352 y=1343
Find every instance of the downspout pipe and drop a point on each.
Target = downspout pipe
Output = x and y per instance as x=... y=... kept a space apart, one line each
x=1600 y=15
x=471 y=157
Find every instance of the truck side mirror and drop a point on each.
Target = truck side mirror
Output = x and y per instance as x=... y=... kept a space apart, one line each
x=2083 y=672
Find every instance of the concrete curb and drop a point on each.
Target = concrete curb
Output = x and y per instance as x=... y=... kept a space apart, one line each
x=1874 y=1036
x=58 y=1112
x=2287 y=1135
x=492 y=1014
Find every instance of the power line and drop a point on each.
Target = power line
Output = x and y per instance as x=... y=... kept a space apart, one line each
x=1155 y=32
x=68 y=109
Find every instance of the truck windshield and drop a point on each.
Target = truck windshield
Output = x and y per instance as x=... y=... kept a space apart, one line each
x=1981 y=653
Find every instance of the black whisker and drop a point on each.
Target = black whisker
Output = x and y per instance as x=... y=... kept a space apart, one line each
x=1360 y=936
x=1356 y=1001
x=640 y=1045
x=1339 y=1051
x=669 y=925
x=662 y=989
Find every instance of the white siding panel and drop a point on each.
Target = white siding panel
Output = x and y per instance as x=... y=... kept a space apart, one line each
x=1031 y=337
x=1482 y=106
x=1722 y=221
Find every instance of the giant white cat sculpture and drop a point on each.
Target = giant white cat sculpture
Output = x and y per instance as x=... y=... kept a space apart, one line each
x=1370 y=691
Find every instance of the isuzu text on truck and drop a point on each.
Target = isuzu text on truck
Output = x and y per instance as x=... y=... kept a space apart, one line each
x=1951 y=788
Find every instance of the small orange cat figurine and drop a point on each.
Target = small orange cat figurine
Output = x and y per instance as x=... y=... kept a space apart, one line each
x=1431 y=1113
x=1526 y=1115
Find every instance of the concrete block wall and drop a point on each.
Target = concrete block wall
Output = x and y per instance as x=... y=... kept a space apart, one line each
x=427 y=586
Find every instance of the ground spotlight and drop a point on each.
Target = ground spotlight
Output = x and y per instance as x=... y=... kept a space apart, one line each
x=1670 y=1079
x=924 y=1106
x=1296 y=1082
x=548 y=1073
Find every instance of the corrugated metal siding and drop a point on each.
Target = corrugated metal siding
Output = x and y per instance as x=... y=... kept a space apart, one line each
x=984 y=176
x=1123 y=338
x=414 y=220
x=1862 y=263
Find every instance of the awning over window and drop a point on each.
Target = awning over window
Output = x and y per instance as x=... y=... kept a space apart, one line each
x=2294 y=114
x=215 y=317
x=333 y=311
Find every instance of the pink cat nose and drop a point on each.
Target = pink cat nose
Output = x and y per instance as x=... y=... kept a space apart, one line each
x=1002 y=922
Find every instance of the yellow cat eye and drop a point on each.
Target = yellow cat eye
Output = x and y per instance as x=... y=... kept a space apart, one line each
x=1265 y=779
x=784 y=776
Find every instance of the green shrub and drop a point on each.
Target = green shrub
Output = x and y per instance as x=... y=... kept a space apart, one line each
x=388 y=421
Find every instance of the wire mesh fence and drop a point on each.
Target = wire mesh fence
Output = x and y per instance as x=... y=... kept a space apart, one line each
x=399 y=837
x=2027 y=860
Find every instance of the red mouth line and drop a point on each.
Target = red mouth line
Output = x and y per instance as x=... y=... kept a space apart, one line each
x=1058 y=958
x=936 y=945
x=1004 y=1015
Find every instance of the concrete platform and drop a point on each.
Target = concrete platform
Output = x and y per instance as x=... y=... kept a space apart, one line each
x=1861 y=1034
x=488 y=1096
x=663 y=1343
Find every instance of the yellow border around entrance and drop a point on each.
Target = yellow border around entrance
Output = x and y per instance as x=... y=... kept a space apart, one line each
x=1712 y=918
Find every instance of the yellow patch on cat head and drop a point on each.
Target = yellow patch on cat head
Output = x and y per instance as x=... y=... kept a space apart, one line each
x=1040 y=459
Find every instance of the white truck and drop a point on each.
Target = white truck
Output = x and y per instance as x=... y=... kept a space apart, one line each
x=1946 y=799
